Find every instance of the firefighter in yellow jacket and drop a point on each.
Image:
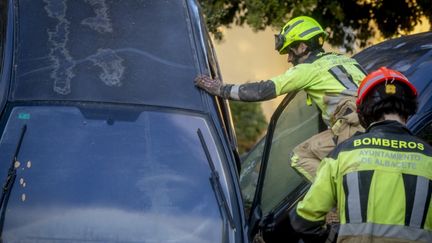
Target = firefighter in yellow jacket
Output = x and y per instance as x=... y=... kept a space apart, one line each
x=330 y=81
x=381 y=180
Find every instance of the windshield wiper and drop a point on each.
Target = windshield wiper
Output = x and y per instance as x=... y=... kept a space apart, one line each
x=215 y=182
x=10 y=180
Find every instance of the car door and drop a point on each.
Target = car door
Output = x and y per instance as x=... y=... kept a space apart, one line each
x=279 y=186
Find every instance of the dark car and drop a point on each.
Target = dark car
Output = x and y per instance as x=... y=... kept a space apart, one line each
x=104 y=137
x=271 y=187
x=412 y=56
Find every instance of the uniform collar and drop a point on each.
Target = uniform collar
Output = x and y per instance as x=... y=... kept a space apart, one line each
x=315 y=55
x=388 y=126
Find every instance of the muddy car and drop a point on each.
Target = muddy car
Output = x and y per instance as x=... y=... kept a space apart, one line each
x=271 y=187
x=104 y=137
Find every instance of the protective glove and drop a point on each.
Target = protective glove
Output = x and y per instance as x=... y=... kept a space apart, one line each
x=213 y=86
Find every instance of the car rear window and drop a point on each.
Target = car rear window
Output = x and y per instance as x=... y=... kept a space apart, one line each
x=99 y=50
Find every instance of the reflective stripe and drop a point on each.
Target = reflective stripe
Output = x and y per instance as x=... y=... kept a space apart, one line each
x=234 y=93
x=349 y=93
x=387 y=231
x=309 y=31
x=353 y=199
x=292 y=26
x=343 y=77
x=428 y=201
x=421 y=193
x=357 y=186
x=371 y=81
x=368 y=83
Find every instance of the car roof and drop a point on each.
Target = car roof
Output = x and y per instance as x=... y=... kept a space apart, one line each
x=118 y=56
x=412 y=56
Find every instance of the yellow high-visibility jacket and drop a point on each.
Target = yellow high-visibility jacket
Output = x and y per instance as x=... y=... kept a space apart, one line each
x=381 y=183
x=325 y=77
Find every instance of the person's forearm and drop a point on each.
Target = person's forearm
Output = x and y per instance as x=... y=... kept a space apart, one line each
x=304 y=226
x=257 y=91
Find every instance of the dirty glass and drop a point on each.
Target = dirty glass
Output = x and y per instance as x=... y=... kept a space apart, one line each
x=296 y=123
x=126 y=175
x=249 y=173
x=105 y=50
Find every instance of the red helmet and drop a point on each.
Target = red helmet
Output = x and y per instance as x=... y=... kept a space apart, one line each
x=387 y=76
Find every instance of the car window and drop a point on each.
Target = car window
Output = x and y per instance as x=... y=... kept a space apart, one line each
x=296 y=123
x=250 y=168
x=123 y=175
x=133 y=51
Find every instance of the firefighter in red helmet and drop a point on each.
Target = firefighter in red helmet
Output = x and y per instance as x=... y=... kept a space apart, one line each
x=381 y=180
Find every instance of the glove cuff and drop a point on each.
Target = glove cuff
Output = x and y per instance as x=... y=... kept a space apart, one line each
x=225 y=91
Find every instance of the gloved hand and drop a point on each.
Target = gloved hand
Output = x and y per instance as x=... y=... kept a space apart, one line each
x=213 y=86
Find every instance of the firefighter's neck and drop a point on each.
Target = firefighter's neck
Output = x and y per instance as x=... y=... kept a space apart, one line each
x=299 y=54
x=394 y=117
x=304 y=52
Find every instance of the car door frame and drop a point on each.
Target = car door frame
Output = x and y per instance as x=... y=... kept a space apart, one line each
x=257 y=221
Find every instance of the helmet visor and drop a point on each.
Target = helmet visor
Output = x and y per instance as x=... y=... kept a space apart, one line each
x=279 y=42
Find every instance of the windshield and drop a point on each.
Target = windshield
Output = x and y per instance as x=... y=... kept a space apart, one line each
x=113 y=175
x=131 y=51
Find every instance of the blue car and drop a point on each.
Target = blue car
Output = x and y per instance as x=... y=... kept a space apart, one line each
x=105 y=138
x=412 y=56
x=103 y=135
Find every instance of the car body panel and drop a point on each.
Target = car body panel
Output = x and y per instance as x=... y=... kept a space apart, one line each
x=411 y=55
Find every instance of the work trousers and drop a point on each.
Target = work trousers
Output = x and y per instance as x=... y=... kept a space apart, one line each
x=345 y=123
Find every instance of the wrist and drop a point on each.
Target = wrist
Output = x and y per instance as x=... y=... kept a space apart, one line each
x=225 y=91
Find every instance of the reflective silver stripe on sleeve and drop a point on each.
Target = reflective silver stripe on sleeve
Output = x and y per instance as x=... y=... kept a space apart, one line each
x=343 y=78
x=234 y=94
x=309 y=31
x=420 y=199
x=387 y=231
x=353 y=199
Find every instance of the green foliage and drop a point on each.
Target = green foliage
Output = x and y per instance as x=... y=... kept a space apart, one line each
x=249 y=123
x=348 y=21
